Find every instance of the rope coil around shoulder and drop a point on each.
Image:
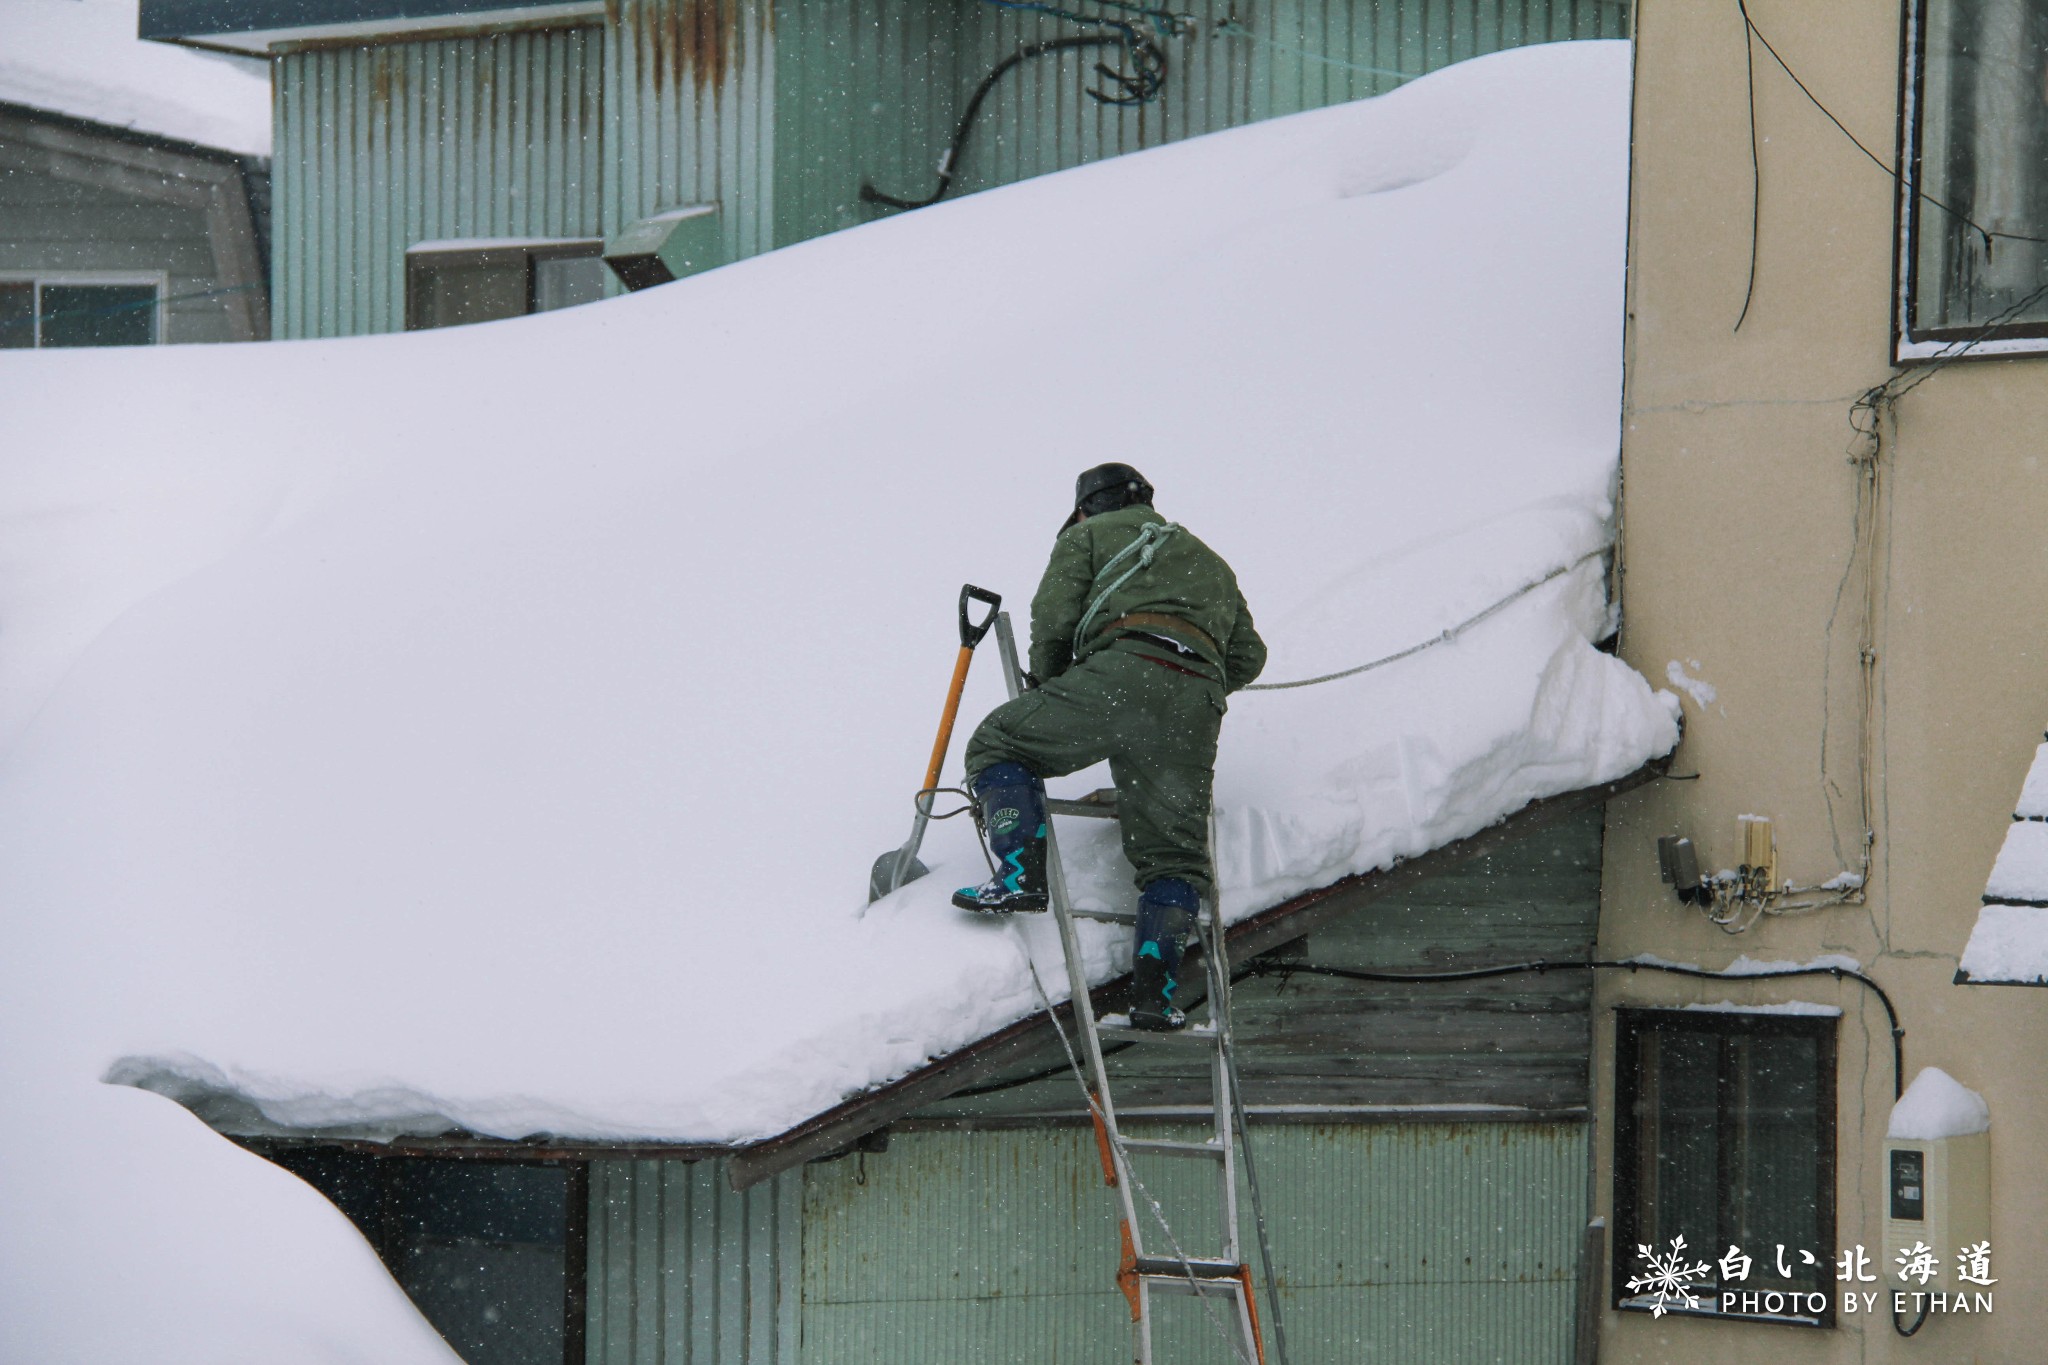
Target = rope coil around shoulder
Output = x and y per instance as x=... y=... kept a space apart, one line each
x=1151 y=536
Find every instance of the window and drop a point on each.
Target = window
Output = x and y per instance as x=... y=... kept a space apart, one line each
x=79 y=310
x=1725 y=1135
x=493 y=1252
x=451 y=283
x=1974 y=254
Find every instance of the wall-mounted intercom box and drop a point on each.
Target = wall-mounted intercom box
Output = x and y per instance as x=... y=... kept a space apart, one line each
x=1937 y=1179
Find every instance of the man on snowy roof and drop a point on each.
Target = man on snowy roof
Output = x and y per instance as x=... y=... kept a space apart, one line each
x=1138 y=631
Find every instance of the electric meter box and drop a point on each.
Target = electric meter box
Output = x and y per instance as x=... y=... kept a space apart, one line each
x=1937 y=1193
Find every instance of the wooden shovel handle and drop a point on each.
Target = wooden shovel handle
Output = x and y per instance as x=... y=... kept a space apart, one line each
x=931 y=773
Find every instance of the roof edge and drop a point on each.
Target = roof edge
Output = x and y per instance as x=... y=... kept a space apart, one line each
x=833 y=1130
x=261 y=26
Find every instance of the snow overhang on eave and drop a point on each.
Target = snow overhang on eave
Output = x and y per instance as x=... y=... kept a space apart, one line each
x=2009 y=942
x=263 y=27
x=136 y=137
x=838 y=1129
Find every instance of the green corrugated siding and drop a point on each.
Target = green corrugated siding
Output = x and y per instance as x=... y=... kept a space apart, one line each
x=1454 y=1244
x=776 y=111
x=685 y=1271
x=690 y=116
x=1311 y=53
x=871 y=89
x=383 y=147
x=1451 y=1243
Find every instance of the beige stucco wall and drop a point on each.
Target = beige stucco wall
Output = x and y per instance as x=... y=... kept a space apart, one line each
x=1738 y=507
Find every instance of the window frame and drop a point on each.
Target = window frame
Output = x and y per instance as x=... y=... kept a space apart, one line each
x=157 y=280
x=1630 y=1023
x=1908 y=345
x=527 y=251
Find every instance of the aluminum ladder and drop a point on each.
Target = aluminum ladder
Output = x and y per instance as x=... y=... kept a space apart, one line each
x=1222 y=1282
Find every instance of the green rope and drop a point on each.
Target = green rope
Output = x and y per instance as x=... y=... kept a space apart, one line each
x=1150 y=537
x=1232 y=28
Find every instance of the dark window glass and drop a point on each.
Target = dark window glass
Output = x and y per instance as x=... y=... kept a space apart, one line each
x=1724 y=1135
x=490 y=1251
x=98 y=314
x=1981 y=148
x=17 y=315
x=481 y=1251
x=450 y=290
x=565 y=281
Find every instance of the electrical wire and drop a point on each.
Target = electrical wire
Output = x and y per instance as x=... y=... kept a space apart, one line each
x=1867 y=414
x=1263 y=967
x=1756 y=172
x=1449 y=635
x=1283 y=969
x=1145 y=82
x=1232 y=28
x=1146 y=57
x=1987 y=233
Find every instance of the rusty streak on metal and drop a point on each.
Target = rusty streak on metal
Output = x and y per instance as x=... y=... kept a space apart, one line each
x=694 y=39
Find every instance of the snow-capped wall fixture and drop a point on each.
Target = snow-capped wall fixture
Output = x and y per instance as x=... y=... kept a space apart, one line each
x=1678 y=866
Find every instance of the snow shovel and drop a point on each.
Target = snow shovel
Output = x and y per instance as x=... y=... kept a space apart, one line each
x=898 y=867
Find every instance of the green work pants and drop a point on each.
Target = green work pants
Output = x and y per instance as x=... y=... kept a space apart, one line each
x=1156 y=726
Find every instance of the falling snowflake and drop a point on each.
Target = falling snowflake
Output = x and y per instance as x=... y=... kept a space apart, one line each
x=1668 y=1275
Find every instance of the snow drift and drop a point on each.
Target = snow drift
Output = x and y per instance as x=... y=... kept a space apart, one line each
x=82 y=58
x=493 y=728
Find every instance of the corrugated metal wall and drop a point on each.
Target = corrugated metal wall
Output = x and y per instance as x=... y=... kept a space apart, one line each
x=1448 y=1243
x=871 y=89
x=683 y=1271
x=382 y=147
x=1310 y=53
x=1454 y=1244
x=690 y=117
x=776 y=111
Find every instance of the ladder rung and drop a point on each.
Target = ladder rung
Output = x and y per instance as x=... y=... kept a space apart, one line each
x=1118 y=1027
x=1162 y=1147
x=1100 y=804
x=1106 y=916
x=1173 y=1268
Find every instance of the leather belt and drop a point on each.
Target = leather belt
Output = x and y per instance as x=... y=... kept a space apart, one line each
x=1156 y=620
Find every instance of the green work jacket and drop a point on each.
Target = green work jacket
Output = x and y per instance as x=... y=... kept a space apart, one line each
x=1186 y=580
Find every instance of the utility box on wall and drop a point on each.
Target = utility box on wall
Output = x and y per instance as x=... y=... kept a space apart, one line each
x=1937 y=1174
x=667 y=247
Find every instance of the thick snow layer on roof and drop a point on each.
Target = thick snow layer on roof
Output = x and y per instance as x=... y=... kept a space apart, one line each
x=2021 y=871
x=82 y=58
x=2008 y=945
x=1937 y=1105
x=2033 y=802
x=494 y=727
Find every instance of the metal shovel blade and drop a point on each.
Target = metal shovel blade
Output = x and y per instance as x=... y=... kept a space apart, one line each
x=884 y=877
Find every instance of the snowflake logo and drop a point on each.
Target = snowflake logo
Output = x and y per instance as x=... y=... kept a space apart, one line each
x=1668 y=1275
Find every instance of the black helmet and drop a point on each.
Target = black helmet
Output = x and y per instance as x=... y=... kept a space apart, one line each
x=1107 y=487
